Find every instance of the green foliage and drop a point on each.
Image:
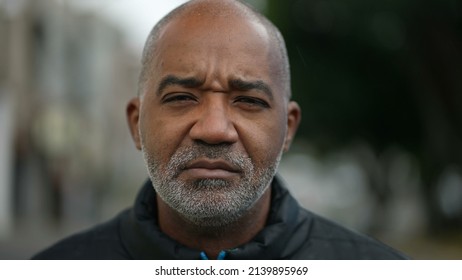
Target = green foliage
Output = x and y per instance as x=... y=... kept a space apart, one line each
x=388 y=73
x=352 y=63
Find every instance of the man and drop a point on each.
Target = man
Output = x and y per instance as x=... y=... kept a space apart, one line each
x=212 y=118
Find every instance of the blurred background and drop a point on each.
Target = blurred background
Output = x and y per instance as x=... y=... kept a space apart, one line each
x=379 y=148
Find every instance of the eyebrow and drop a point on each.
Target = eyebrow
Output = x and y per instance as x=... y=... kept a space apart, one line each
x=172 y=80
x=241 y=85
x=235 y=84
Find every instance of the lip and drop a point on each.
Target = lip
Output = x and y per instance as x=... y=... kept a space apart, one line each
x=212 y=169
x=212 y=164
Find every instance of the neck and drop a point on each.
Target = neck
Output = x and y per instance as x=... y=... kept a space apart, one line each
x=212 y=240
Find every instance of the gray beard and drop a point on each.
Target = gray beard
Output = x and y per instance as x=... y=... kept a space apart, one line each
x=209 y=202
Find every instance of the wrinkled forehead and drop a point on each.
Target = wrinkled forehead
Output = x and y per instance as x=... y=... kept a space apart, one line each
x=238 y=41
x=227 y=28
x=221 y=29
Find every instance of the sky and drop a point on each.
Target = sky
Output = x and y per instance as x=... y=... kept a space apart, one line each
x=134 y=17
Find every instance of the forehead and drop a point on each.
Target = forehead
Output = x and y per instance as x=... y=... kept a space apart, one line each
x=200 y=42
x=209 y=16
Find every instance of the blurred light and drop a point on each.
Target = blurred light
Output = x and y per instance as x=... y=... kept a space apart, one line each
x=134 y=17
x=450 y=192
x=12 y=7
x=6 y=158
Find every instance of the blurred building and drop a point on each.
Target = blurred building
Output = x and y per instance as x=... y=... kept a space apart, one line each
x=65 y=78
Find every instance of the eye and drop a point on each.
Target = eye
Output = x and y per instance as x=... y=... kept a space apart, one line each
x=178 y=97
x=252 y=102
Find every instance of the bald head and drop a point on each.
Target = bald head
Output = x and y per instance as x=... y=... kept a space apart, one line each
x=230 y=11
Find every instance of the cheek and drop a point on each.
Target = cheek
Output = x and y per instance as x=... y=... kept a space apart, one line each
x=264 y=140
x=160 y=137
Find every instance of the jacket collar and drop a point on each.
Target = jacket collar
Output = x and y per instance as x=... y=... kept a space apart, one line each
x=143 y=239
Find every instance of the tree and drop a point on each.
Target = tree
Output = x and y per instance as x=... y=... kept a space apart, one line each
x=388 y=73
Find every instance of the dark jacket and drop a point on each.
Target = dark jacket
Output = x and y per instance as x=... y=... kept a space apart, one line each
x=291 y=233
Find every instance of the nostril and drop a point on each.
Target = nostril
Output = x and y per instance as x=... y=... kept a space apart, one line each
x=213 y=135
x=214 y=127
x=221 y=146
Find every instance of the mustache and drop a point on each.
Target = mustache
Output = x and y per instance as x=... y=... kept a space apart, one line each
x=185 y=155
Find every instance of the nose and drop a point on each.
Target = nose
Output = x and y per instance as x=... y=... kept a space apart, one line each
x=213 y=124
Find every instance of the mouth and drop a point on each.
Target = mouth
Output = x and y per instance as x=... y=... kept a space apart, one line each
x=211 y=169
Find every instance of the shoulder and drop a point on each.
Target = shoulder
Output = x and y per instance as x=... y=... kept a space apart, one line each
x=310 y=236
x=326 y=239
x=100 y=242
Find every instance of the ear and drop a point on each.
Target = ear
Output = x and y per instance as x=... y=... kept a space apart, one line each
x=294 y=116
x=133 y=118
